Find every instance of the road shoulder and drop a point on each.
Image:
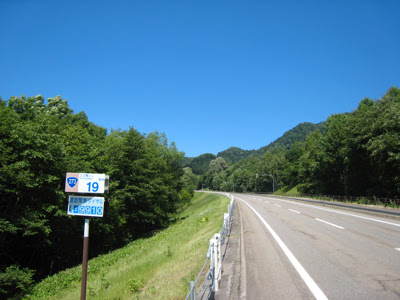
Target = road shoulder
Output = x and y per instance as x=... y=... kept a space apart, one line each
x=230 y=286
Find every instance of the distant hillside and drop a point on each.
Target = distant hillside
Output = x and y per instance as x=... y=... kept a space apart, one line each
x=232 y=155
x=199 y=164
x=296 y=134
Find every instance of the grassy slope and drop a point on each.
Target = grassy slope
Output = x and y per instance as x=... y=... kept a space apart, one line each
x=287 y=191
x=158 y=267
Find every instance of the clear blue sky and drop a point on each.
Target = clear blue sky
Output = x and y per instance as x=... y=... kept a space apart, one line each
x=210 y=74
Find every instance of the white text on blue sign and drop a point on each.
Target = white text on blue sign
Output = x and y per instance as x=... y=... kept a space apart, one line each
x=86 y=206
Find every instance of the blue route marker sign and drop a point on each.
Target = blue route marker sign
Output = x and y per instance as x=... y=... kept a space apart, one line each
x=86 y=206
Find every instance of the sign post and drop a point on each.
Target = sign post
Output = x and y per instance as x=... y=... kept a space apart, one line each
x=86 y=206
x=85 y=259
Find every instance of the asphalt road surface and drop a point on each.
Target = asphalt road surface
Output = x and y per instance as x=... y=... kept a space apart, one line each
x=297 y=250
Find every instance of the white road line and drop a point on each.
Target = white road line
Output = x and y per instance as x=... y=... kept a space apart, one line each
x=334 y=225
x=297 y=212
x=398 y=249
x=342 y=213
x=277 y=205
x=314 y=288
x=267 y=201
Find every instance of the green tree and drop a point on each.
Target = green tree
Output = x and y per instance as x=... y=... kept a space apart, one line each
x=333 y=158
x=308 y=163
x=190 y=180
x=374 y=147
x=32 y=164
x=15 y=282
x=200 y=164
x=147 y=181
x=291 y=165
x=218 y=165
x=39 y=143
x=270 y=168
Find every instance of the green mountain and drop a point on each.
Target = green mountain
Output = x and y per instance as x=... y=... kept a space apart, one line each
x=235 y=154
x=199 y=164
x=292 y=136
x=232 y=155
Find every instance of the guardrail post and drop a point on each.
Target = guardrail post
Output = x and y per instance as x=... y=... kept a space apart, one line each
x=215 y=259
x=218 y=259
x=212 y=263
x=192 y=289
x=225 y=227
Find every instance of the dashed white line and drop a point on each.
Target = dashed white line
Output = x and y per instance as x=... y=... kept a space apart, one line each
x=342 y=213
x=334 y=225
x=295 y=211
x=277 y=205
x=314 y=288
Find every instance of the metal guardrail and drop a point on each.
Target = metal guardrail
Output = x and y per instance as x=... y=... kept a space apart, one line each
x=386 y=202
x=210 y=283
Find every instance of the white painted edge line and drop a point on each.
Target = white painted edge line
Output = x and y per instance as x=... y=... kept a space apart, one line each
x=398 y=249
x=342 y=213
x=277 y=205
x=314 y=288
x=334 y=225
x=295 y=211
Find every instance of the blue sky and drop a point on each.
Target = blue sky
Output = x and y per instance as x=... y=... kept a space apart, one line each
x=210 y=74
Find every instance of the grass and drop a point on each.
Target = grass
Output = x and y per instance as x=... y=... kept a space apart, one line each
x=159 y=267
x=288 y=190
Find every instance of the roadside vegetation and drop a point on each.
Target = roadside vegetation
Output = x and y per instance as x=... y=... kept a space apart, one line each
x=39 y=143
x=369 y=201
x=151 y=182
x=354 y=154
x=159 y=266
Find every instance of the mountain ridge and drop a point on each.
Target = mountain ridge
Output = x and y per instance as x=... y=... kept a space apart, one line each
x=199 y=164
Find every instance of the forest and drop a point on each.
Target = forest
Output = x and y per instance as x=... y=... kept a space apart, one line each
x=355 y=153
x=42 y=140
x=352 y=154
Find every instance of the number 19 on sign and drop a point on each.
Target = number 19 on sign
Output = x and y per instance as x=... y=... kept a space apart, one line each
x=93 y=187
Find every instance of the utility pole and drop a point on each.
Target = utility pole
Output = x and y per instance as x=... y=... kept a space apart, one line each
x=273 y=180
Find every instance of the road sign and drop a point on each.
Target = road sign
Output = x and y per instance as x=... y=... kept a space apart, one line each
x=86 y=206
x=85 y=183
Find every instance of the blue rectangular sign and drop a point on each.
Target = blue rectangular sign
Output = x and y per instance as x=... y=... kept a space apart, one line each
x=86 y=206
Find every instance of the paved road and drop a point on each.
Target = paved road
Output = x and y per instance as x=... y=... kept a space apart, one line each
x=294 y=250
